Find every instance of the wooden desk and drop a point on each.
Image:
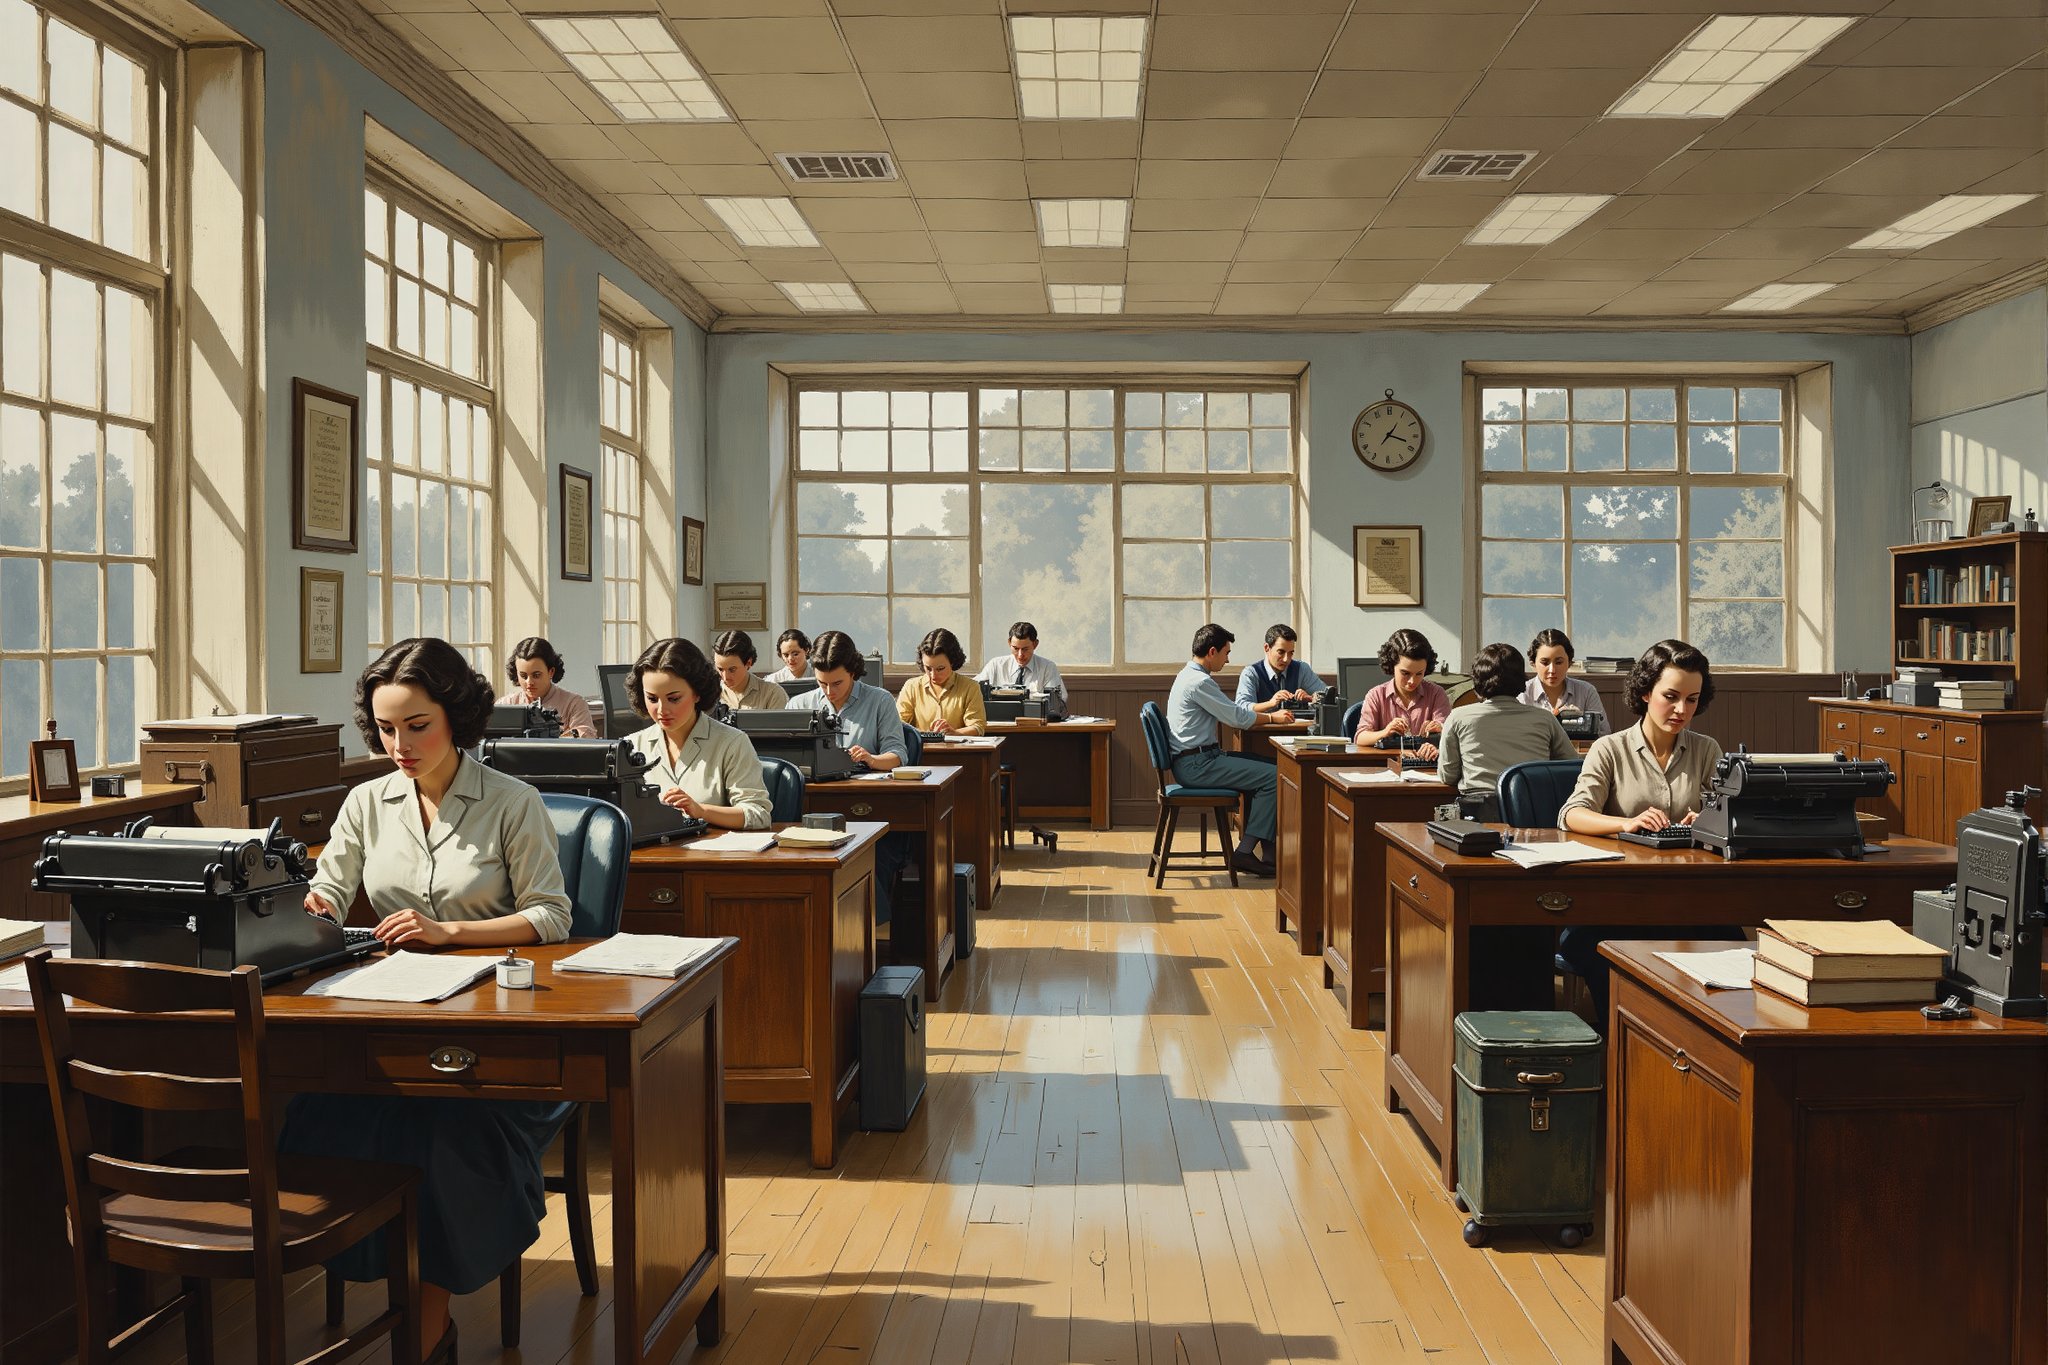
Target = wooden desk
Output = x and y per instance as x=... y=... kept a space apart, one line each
x=1047 y=758
x=648 y=1048
x=1353 y=875
x=1831 y=1161
x=1257 y=742
x=1435 y=898
x=918 y=807
x=977 y=808
x=1298 y=835
x=24 y=824
x=805 y=922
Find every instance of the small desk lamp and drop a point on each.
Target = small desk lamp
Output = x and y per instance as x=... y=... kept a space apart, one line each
x=1933 y=514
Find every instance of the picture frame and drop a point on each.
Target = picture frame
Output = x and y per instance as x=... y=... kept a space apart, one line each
x=578 y=487
x=53 y=768
x=320 y=594
x=1386 y=566
x=1985 y=512
x=326 y=468
x=739 y=606
x=693 y=552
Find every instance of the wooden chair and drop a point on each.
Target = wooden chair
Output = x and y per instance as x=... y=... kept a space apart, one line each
x=206 y=1215
x=1175 y=797
x=1531 y=795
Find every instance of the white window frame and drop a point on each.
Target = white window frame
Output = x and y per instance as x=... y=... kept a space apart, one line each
x=624 y=493
x=1121 y=384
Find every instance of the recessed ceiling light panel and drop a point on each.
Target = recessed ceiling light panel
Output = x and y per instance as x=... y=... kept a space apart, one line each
x=1535 y=219
x=1943 y=218
x=1077 y=66
x=823 y=298
x=763 y=222
x=1437 y=298
x=1083 y=222
x=1776 y=298
x=635 y=65
x=1086 y=298
x=1725 y=63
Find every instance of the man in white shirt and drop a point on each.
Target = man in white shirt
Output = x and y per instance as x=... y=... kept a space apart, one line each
x=1025 y=667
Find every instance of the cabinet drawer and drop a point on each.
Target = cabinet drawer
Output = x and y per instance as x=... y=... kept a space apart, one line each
x=293 y=773
x=1839 y=729
x=1882 y=730
x=1961 y=739
x=660 y=892
x=308 y=815
x=499 y=1058
x=292 y=742
x=1414 y=880
x=1919 y=735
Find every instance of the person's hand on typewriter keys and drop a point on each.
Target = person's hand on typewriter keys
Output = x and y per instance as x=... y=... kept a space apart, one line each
x=317 y=904
x=1279 y=717
x=1690 y=816
x=410 y=927
x=858 y=754
x=942 y=726
x=1649 y=819
x=682 y=801
x=1426 y=752
x=1435 y=727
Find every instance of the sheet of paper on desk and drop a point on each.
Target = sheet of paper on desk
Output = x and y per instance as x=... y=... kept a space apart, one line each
x=1405 y=775
x=871 y=777
x=1553 y=855
x=736 y=841
x=1729 y=969
x=1084 y=720
x=639 y=955
x=412 y=978
x=14 y=976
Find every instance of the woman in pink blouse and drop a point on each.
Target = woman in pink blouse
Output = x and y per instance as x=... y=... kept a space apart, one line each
x=1407 y=703
x=536 y=671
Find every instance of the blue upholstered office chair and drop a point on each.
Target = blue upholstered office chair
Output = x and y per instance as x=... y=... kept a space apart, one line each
x=1531 y=794
x=1175 y=797
x=913 y=742
x=1351 y=715
x=785 y=785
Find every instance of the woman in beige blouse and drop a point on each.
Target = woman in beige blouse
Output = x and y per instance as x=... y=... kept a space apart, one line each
x=448 y=852
x=703 y=768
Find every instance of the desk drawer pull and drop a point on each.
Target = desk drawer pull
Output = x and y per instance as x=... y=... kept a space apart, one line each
x=1556 y=902
x=1877 y=729
x=1850 y=900
x=312 y=817
x=860 y=810
x=1920 y=734
x=451 y=1060
x=663 y=895
x=1680 y=1062
x=1841 y=725
x=175 y=767
x=1962 y=739
x=1413 y=882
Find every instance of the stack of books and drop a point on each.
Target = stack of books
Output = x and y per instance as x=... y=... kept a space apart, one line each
x=1970 y=694
x=1604 y=663
x=1857 y=962
x=17 y=936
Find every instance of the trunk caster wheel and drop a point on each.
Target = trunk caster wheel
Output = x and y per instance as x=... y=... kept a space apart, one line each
x=1571 y=1235
x=1475 y=1235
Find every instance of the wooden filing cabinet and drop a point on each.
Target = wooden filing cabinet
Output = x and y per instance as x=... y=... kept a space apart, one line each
x=250 y=777
x=1948 y=763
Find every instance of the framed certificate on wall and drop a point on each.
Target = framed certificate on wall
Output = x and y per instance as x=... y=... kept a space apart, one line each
x=739 y=606
x=577 y=486
x=1387 y=564
x=326 y=468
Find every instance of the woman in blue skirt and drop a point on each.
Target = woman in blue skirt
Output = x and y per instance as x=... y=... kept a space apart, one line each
x=448 y=852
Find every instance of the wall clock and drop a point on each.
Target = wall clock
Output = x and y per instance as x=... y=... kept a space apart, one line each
x=1389 y=435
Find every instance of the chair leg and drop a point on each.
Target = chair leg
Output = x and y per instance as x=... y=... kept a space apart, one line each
x=1166 y=847
x=1223 y=820
x=508 y=1305
x=402 y=1279
x=337 y=1290
x=94 y=1285
x=1202 y=849
x=198 y=1321
x=268 y=1293
x=576 y=1192
x=1158 y=837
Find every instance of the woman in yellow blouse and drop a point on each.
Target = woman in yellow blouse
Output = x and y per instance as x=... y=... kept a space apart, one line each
x=942 y=699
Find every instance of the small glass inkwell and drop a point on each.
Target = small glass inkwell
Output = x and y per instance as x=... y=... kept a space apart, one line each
x=515 y=973
x=1934 y=518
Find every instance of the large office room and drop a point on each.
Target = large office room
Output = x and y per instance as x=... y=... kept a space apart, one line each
x=1006 y=682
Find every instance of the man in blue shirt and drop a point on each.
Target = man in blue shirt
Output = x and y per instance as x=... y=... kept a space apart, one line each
x=1279 y=678
x=1194 y=708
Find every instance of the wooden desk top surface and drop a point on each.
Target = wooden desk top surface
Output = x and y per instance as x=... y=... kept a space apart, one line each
x=1071 y=727
x=1927 y=863
x=1932 y=712
x=1367 y=780
x=20 y=817
x=579 y=999
x=690 y=857
x=1315 y=756
x=939 y=775
x=1762 y=1018
x=987 y=744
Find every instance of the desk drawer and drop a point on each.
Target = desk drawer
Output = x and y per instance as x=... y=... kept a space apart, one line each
x=1919 y=735
x=1414 y=880
x=1962 y=739
x=1839 y=729
x=500 y=1058
x=1883 y=730
x=308 y=815
x=293 y=773
x=654 y=891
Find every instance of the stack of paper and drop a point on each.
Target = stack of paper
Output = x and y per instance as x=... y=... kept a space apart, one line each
x=1552 y=855
x=736 y=841
x=802 y=836
x=905 y=773
x=414 y=978
x=639 y=955
x=19 y=935
x=1730 y=969
x=14 y=976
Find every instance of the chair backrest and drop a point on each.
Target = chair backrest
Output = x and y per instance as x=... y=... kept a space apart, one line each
x=222 y=1007
x=913 y=742
x=1153 y=722
x=1531 y=794
x=1351 y=715
x=593 y=841
x=785 y=783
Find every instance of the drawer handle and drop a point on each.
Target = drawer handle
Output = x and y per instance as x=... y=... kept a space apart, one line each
x=1850 y=900
x=1919 y=734
x=663 y=895
x=861 y=810
x=1539 y=1078
x=175 y=767
x=451 y=1060
x=311 y=817
x=1959 y=739
x=1841 y=725
x=1413 y=882
x=1877 y=729
x=1556 y=902
x=1680 y=1062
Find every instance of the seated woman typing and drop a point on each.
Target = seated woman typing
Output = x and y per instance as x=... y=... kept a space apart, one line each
x=1648 y=776
x=1407 y=703
x=1481 y=742
x=941 y=698
x=536 y=673
x=868 y=723
x=448 y=852
x=703 y=768
x=733 y=655
x=1553 y=688
x=793 y=647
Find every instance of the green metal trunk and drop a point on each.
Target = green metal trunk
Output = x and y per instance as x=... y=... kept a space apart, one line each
x=1528 y=1116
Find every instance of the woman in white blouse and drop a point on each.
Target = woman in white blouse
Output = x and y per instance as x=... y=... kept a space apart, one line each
x=1553 y=688
x=703 y=768
x=448 y=852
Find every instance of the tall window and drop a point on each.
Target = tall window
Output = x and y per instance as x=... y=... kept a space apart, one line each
x=82 y=336
x=1630 y=510
x=1116 y=518
x=432 y=464
x=619 y=445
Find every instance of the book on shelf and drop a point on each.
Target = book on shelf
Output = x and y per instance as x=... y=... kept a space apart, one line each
x=1960 y=642
x=1771 y=977
x=1843 y=950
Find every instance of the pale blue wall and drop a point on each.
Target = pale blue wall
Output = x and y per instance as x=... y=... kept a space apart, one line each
x=315 y=101
x=1347 y=370
x=1980 y=404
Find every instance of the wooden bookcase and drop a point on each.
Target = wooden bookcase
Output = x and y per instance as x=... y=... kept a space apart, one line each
x=2022 y=559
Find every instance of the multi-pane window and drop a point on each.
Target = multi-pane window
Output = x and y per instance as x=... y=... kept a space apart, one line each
x=619 y=448
x=81 y=339
x=431 y=528
x=1630 y=510
x=1115 y=517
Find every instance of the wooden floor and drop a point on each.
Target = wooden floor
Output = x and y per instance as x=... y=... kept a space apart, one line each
x=1149 y=1138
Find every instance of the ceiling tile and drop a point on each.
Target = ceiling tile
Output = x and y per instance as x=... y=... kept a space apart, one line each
x=862 y=215
x=662 y=212
x=993 y=272
x=816 y=135
x=1184 y=246
x=1392 y=94
x=1416 y=42
x=473 y=41
x=1001 y=298
x=1226 y=94
x=1341 y=137
x=956 y=139
x=1081 y=179
x=1295 y=215
x=1280 y=271
x=700 y=144
x=1359 y=270
x=966 y=179
x=1789 y=130
x=1084 y=267
x=795 y=97
x=1358 y=177
x=1413 y=244
x=1240 y=42
x=1688 y=210
x=1642 y=244
x=895 y=272
x=1215 y=139
x=978 y=215
x=580 y=142
x=1202 y=179
x=1954 y=41
x=1295 y=246
x=1185 y=215
x=971 y=42
x=1589 y=91
x=948 y=94
x=1746 y=172
x=911 y=298
x=1945 y=131
x=1581 y=268
x=1412 y=209
x=1570 y=42
x=1929 y=171
x=1882 y=90
x=737 y=181
x=986 y=246
x=1162 y=273
x=1263 y=299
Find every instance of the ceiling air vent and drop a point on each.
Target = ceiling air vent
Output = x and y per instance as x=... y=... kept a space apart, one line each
x=837 y=165
x=1491 y=166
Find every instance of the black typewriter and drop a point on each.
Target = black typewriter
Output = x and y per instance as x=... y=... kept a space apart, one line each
x=604 y=769
x=1671 y=836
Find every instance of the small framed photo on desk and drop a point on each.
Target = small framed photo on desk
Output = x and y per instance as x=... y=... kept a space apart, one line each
x=52 y=768
x=1988 y=512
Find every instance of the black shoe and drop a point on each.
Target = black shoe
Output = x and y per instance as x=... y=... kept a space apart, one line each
x=1250 y=864
x=444 y=1349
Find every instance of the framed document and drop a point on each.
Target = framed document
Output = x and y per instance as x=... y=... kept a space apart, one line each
x=326 y=468
x=739 y=606
x=576 y=486
x=1387 y=562
x=319 y=620
x=1988 y=512
x=52 y=768
x=693 y=551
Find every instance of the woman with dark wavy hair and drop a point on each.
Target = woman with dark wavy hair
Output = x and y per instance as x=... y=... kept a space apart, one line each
x=535 y=671
x=448 y=852
x=1407 y=703
x=703 y=767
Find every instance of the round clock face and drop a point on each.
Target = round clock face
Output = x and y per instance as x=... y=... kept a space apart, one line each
x=1389 y=436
